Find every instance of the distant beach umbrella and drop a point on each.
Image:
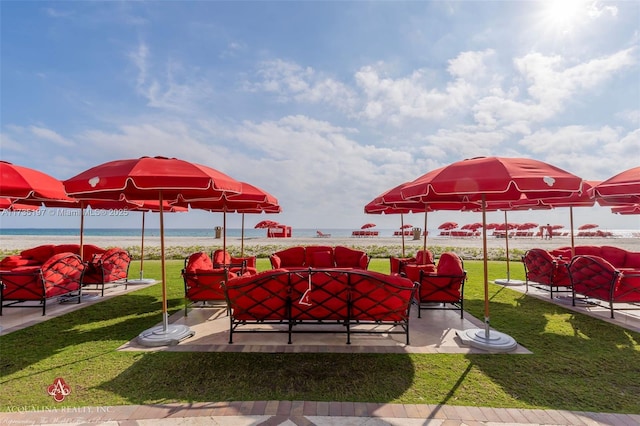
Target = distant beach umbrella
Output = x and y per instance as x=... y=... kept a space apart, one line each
x=621 y=189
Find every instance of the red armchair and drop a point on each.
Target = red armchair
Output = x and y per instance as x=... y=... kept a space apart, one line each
x=444 y=288
x=202 y=282
x=235 y=265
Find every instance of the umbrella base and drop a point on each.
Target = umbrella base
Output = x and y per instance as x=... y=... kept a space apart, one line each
x=509 y=281
x=142 y=281
x=495 y=342
x=159 y=336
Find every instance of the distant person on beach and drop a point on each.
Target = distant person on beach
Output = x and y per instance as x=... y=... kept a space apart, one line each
x=549 y=231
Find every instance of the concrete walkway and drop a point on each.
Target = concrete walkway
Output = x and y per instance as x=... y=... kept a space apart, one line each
x=307 y=413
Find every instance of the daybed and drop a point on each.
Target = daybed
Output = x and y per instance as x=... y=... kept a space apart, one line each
x=319 y=257
x=319 y=300
x=444 y=287
x=596 y=278
x=60 y=274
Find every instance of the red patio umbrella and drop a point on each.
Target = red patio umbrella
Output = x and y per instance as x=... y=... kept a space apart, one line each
x=621 y=189
x=368 y=225
x=492 y=179
x=23 y=183
x=630 y=209
x=264 y=224
x=153 y=178
x=250 y=199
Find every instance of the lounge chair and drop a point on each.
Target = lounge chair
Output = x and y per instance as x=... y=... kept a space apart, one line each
x=321 y=234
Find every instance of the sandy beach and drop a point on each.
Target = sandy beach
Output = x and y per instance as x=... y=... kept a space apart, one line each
x=20 y=242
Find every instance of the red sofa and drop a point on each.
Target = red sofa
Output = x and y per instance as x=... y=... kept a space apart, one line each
x=319 y=257
x=60 y=274
x=103 y=266
x=327 y=300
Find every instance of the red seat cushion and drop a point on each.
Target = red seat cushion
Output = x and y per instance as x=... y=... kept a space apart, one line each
x=614 y=255
x=67 y=248
x=310 y=253
x=14 y=261
x=424 y=257
x=221 y=257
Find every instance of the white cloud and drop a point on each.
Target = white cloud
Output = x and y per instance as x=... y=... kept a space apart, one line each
x=292 y=82
x=50 y=136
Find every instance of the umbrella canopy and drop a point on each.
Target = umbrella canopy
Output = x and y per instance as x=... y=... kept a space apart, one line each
x=492 y=179
x=153 y=178
x=22 y=183
x=148 y=178
x=6 y=204
x=630 y=209
x=405 y=226
x=368 y=225
x=250 y=199
x=623 y=188
x=588 y=226
x=448 y=226
x=472 y=226
x=264 y=224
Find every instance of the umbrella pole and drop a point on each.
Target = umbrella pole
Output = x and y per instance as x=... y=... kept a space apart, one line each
x=506 y=239
x=424 y=244
x=224 y=230
x=242 y=238
x=81 y=250
x=165 y=316
x=486 y=273
x=165 y=334
x=142 y=248
x=485 y=339
x=402 y=231
x=573 y=247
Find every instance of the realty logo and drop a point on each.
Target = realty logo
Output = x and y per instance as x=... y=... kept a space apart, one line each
x=59 y=389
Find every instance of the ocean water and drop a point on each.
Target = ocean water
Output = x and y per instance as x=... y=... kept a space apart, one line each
x=231 y=232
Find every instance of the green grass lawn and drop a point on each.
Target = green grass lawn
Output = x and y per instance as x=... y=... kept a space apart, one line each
x=578 y=362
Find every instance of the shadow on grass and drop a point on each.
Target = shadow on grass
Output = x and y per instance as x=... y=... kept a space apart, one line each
x=578 y=362
x=106 y=324
x=258 y=376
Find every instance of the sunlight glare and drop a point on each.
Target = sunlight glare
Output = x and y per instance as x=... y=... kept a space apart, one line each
x=563 y=15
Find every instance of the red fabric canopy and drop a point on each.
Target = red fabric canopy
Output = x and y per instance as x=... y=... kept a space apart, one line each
x=23 y=183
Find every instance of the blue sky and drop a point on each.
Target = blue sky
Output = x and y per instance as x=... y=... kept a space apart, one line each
x=323 y=104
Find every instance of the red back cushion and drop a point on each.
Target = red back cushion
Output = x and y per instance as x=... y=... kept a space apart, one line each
x=67 y=248
x=632 y=260
x=322 y=259
x=424 y=257
x=588 y=250
x=614 y=255
x=200 y=260
x=310 y=250
x=349 y=258
x=40 y=253
x=291 y=257
x=221 y=257
x=450 y=264
x=89 y=251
